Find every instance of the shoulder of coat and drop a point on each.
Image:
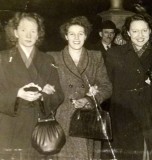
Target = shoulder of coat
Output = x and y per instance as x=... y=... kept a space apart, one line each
x=4 y=55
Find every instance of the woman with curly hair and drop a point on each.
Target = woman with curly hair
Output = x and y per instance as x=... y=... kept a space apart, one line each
x=129 y=68
x=25 y=71
x=74 y=64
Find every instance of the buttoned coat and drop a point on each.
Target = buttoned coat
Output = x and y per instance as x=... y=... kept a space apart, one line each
x=15 y=130
x=131 y=108
x=75 y=86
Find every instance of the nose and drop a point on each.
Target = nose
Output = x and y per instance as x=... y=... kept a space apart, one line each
x=77 y=36
x=140 y=34
x=28 y=35
x=110 y=34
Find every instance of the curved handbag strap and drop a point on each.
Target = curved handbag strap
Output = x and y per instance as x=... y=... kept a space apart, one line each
x=99 y=117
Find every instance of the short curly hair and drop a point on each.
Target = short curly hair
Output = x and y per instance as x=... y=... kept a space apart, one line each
x=81 y=21
x=136 y=17
x=13 y=23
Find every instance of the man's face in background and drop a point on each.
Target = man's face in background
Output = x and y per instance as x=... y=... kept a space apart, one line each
x=107 y=35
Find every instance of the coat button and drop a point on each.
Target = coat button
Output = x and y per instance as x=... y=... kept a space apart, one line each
x=70 y=85
x=82 y=85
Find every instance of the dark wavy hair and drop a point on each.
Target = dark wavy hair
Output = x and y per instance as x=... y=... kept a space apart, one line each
x=136 y=17
x=81 y=21
x=13 y=23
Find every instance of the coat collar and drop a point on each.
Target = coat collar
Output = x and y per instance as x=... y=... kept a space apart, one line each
x=17 y=66
x=133 y=54
x=82 y=65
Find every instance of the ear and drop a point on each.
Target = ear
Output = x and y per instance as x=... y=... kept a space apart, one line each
x=15 y=33
x=128 y=33
x=66 y=37
x=100 y=34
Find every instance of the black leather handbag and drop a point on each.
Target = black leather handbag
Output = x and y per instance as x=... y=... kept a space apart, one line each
x=92 y=124
x=48 y=136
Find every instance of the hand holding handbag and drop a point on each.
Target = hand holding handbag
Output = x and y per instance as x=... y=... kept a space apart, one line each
x=48 y=136
x=93 y=124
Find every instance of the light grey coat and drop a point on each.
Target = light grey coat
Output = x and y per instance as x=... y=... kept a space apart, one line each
x=74 y=85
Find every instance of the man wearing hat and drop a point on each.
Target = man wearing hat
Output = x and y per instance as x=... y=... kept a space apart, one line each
x=107 y=33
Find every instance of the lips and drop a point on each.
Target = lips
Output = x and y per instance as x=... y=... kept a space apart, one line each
x=76 y=42
x=28 y=41
x=140 y=40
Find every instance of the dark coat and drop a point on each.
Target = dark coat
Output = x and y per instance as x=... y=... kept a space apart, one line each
x=99 y=46
x=15 y=131
x=131 y=108
x=75 y=86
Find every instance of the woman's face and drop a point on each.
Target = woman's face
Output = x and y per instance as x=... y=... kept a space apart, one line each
x=27 y=32
x=139 y=33
x=76 y=37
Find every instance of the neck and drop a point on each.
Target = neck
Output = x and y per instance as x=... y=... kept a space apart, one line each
x=75 y=51
x=75 y=54
x=27 y=50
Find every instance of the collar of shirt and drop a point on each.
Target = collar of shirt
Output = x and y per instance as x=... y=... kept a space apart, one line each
x=106 y=47
x=26 y=60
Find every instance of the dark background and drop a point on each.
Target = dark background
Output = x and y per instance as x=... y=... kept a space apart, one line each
x=56 y=12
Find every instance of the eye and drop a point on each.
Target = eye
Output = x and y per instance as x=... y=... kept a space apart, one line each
x=145 y=30
x=134 y=31
x=33 y=31
x=71 y=34
x=81 y=34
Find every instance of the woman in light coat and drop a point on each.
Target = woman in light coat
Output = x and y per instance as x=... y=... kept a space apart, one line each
x=76 y=64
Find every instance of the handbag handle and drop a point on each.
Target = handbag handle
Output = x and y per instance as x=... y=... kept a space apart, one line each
x=99 y=117
x=50 y=117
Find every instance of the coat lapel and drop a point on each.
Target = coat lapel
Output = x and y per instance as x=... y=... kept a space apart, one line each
x=82 y=65
x=132 y=61
x=84 y=60
x=15 y=69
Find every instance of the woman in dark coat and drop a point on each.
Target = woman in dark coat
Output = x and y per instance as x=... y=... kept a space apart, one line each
x=129 y=68
x=21 y=67
x=74 y=64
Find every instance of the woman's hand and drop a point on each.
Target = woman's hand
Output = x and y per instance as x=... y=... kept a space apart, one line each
x=80 y=103
x=48 y=89
x=29 y=95
x=119 y=40
x=93 y=90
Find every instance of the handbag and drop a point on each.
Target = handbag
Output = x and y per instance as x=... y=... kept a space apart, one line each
x=92 y=124
x=48 y=137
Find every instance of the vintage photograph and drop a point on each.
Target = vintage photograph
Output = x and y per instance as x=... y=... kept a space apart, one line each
x=75 y=80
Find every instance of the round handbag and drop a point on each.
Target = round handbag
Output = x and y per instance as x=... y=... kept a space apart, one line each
x=48 y=136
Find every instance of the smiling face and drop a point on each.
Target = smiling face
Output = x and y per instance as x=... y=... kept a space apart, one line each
x=76 y=37
x=139 y=33
x=27 y=32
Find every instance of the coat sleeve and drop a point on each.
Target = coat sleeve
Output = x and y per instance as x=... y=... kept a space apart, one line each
x=102 y=80
x=7 y=95
x=53 y=101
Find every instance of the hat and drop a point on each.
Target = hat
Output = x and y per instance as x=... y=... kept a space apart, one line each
x=107 y=25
